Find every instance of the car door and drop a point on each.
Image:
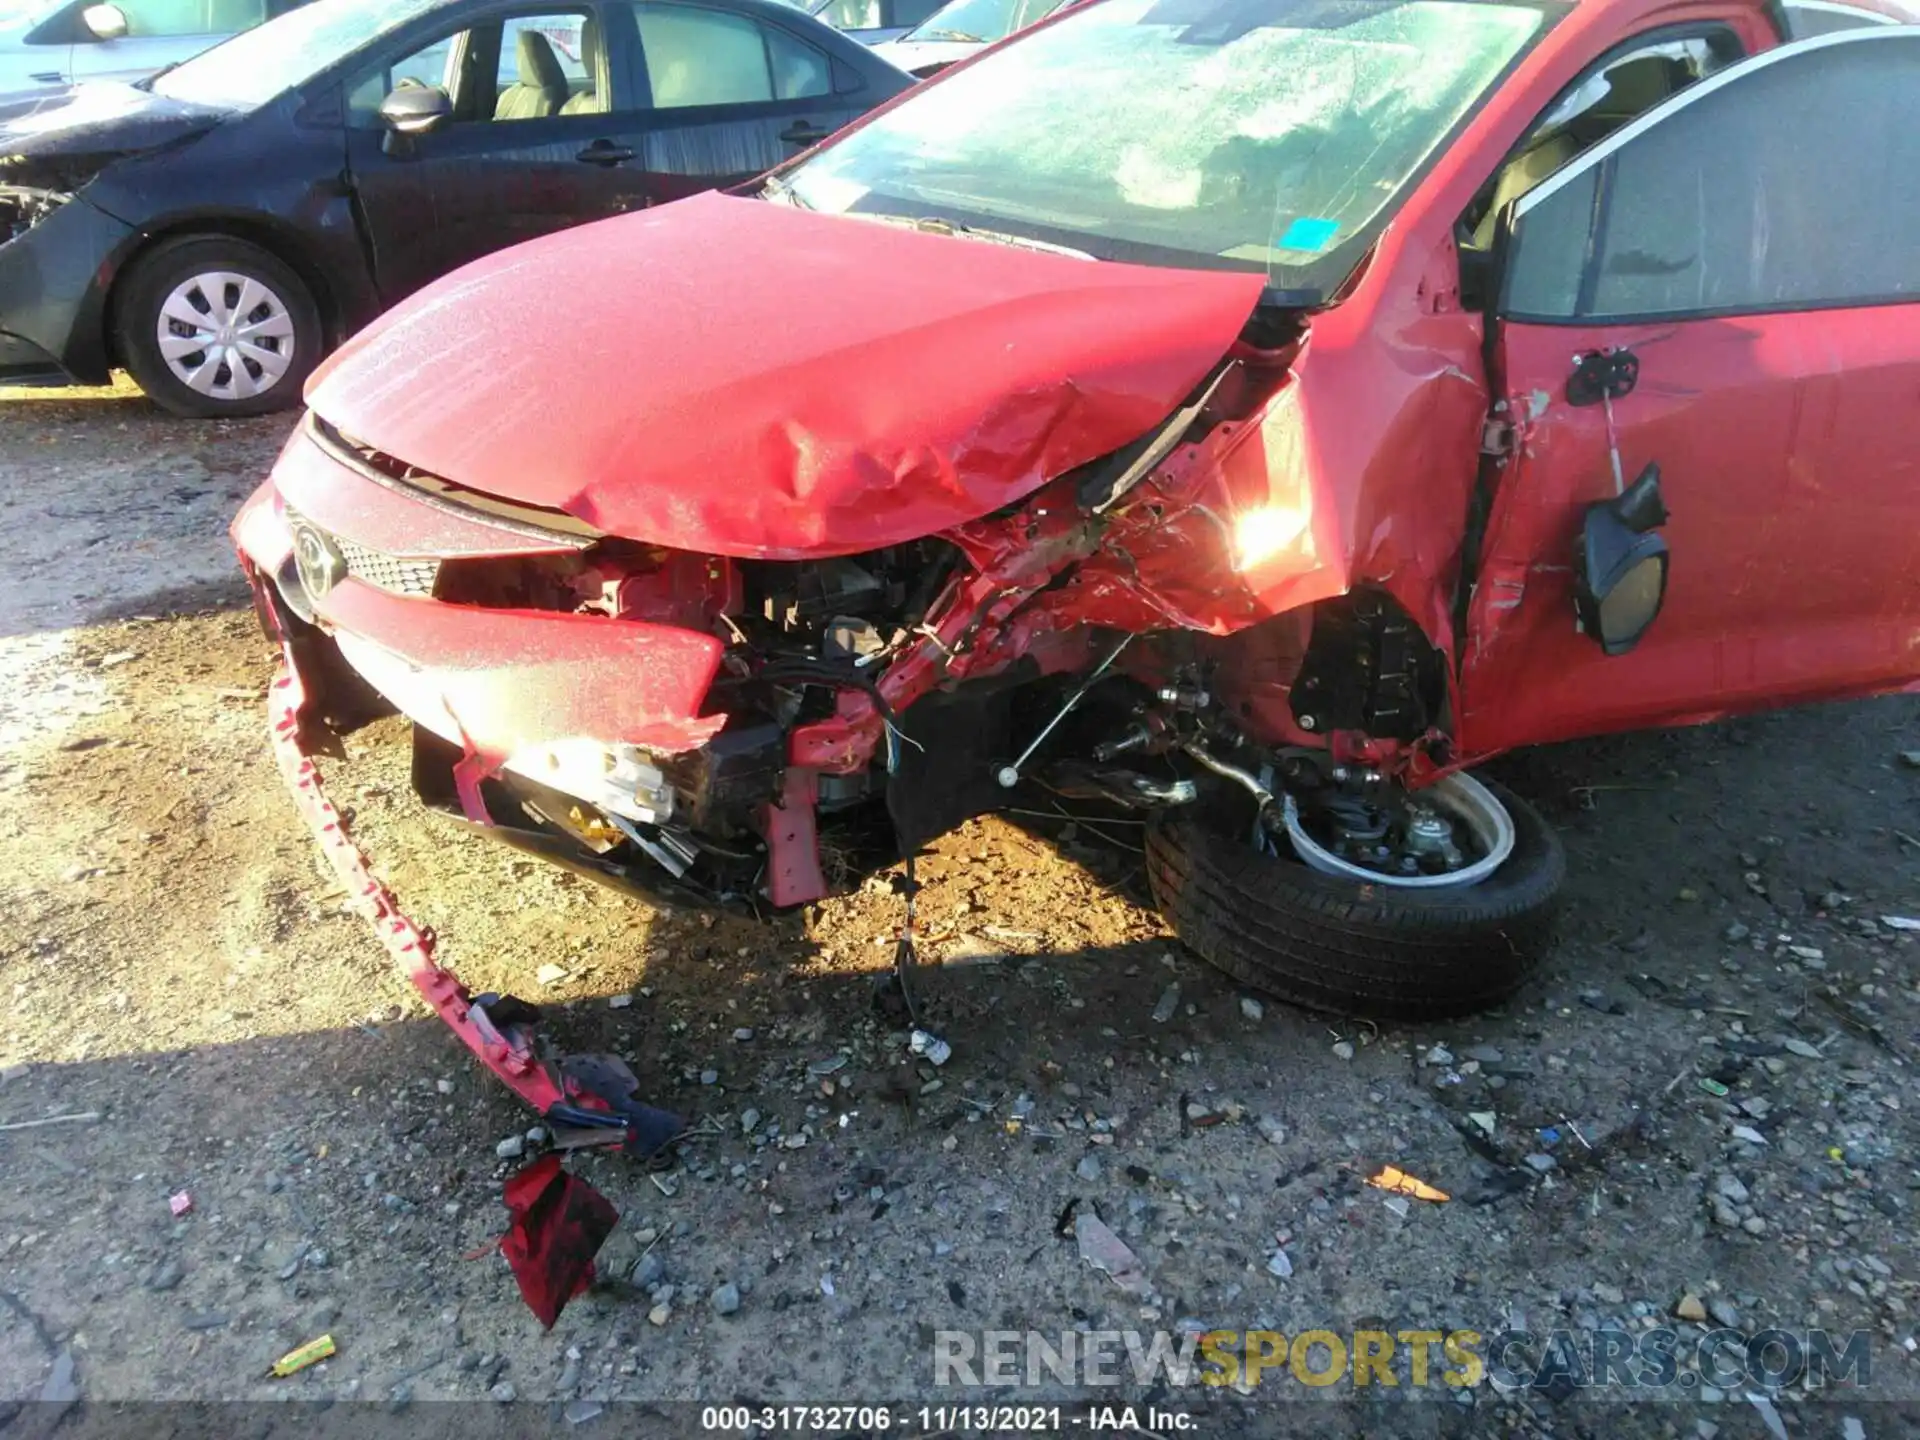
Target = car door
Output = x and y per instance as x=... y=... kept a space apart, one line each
x=544 y=134
x=734 y=94
x=1728 y=289
x=164 y=32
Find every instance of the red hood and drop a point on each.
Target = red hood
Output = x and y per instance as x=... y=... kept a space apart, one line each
x=745 y=378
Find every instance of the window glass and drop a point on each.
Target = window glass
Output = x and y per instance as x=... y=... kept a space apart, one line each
x=270 y=59
x=155 y=18
x=703 y=57
x=1629 y=86
x=564 y=41
x=1269 y=135
x=230 y=17
x=974 y=20
x=546 y=65
x=1788 y=189
x=425 y=66
x=800 y=72
x=912 y=12
x=1549 y=253
x=1806 y=21
x=851 y=14
x=1592 y=108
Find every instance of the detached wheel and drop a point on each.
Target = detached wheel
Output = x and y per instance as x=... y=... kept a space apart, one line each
x=1361 y=946
x=211 y=326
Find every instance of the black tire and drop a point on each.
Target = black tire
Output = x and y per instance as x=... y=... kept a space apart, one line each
x=1355 y=949
x=153 y=276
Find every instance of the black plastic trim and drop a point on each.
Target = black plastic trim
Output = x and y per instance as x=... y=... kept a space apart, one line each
x=338 y=448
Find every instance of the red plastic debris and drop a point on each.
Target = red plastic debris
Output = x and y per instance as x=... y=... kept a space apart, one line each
x=410 y=946
x=559 y=1224
x=180 y=1204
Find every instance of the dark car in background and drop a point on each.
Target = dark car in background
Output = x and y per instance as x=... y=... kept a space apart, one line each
x=218 y=228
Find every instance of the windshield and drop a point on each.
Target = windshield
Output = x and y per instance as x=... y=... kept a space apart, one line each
x=1267 y=135
x=259 y=64
x=848 y=14
x=981 y=19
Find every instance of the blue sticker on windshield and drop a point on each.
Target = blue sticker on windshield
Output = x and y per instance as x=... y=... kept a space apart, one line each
x=1309 y=233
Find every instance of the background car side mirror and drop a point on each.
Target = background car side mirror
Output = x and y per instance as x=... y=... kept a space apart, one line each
x=104 y=22
x=415 y=110
x=1620 y=565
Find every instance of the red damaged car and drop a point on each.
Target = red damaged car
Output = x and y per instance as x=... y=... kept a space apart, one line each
x=1252 y=413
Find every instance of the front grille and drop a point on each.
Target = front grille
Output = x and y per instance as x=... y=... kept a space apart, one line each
x=392 y=573
x=388 y=572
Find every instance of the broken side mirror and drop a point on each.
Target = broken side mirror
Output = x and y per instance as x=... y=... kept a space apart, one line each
x=412 y=111
x=1620 y=565
x=104 y=22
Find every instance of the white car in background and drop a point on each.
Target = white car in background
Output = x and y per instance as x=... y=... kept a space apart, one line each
x=956 y=31
x=871 y=21
x=45 y=44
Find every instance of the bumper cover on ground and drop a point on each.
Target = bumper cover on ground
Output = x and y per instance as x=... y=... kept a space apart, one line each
x=497 y=1029
x=585 y=1097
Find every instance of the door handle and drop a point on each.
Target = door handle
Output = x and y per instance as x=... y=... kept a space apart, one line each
x=47 y=77
x=802 y=133
x=605 y=152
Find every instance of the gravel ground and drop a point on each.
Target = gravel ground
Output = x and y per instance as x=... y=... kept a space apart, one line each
x=1701 y=1115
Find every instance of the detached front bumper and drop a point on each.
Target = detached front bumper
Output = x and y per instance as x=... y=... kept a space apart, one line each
x=582 y=738
x=504 y=685
x=581 y=1092
x=589 y=1099
x=559 y=1221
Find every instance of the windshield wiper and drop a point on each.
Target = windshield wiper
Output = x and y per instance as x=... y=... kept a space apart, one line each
x=782 y=190
x=146 y=82
x=934 y=225
x=960 y=35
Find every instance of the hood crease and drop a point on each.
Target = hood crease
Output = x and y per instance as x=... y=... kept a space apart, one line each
x=742 y=378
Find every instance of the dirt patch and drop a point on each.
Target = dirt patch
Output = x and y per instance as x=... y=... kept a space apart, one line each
x=178 y=964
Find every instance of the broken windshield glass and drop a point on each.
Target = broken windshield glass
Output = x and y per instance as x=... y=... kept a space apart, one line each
x=1256 y=134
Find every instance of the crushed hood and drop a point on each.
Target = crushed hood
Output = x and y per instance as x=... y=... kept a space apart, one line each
x=745 y=378
x=63 y=137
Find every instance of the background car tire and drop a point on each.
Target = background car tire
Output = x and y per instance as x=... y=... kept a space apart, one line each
x=1334 y=945
x=217 y=289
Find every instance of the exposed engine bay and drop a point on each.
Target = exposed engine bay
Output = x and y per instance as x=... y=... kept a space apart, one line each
x=797 y=635
x=865 y=703
x=22 y=208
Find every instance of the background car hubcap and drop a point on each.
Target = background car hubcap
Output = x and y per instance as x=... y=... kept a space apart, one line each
x=226 y=335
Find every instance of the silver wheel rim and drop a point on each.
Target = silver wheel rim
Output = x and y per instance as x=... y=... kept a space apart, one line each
x=226 y=335
x=1462 y=797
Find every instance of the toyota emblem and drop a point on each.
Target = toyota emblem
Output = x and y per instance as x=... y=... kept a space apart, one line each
x=318 y=561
